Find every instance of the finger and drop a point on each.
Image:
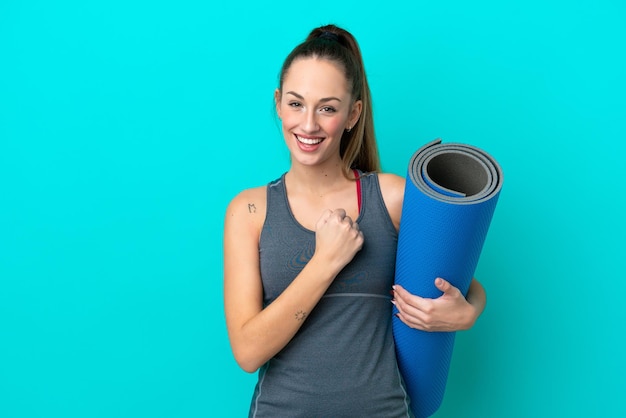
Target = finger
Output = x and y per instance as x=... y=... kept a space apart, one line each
x=415 y=323
x=445 y=286
x=324 y=217
x=442 y=284
x=409 y=304
x=340 y=212
x=402 y=293
x=410 y=319
x=360 y=239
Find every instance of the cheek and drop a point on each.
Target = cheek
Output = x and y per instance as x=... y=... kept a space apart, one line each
x=334 y=125
x=288 y=119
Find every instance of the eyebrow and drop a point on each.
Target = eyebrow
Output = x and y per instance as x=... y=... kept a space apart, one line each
x=323 y=100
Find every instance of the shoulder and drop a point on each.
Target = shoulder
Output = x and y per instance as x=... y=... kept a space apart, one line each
x=252 y=195
x=391 y=182
x=247 y=209
x=392 y=189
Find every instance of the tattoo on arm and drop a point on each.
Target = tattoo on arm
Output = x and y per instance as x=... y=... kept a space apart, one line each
x=251 y=208
x=300 y=315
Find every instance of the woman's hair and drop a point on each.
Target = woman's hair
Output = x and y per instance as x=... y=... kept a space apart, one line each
x=358 y=146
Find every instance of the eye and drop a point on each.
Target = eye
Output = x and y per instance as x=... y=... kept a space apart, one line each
x=294 y=104
x=328 y=109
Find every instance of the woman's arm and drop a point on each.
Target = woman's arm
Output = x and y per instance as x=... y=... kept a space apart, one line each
x=256 y=334
x=449 y=312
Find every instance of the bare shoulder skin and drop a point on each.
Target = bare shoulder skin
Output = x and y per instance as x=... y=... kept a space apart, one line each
x=392 y=188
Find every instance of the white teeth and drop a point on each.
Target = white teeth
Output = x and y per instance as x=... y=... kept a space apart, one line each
x=309 y=141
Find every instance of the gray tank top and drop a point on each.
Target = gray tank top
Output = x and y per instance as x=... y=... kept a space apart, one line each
x=341 y=363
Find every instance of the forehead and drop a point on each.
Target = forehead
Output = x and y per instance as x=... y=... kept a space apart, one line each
x=316 y=77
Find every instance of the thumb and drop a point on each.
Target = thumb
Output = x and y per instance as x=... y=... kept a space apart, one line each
x=444 y=285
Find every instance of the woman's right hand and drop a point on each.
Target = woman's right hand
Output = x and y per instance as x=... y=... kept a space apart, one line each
x=337 y=238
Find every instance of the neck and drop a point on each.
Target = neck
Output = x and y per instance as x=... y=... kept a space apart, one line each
x=316 y=178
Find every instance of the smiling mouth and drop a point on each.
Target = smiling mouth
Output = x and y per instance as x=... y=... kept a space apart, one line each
x=309 y=141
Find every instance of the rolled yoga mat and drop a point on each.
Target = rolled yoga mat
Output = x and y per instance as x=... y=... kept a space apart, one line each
x=449 y=199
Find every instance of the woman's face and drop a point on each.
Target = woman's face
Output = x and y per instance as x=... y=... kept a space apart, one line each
x=315 y=107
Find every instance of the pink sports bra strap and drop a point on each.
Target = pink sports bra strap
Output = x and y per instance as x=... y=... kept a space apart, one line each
x=358 y=188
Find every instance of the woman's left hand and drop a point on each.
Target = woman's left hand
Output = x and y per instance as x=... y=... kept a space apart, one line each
x=449 y=312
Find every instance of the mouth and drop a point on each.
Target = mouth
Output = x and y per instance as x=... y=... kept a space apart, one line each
x=309 y=141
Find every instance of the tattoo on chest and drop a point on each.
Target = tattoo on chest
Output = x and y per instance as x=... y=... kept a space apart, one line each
x=300 y=315
x=251 y=208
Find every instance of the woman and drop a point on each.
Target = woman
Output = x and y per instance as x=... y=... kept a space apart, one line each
x=309 y=259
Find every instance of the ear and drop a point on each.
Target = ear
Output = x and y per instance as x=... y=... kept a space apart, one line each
x=355 y=113
x=277 y=102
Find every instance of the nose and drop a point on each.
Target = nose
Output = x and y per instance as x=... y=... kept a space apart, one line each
x=310 y=122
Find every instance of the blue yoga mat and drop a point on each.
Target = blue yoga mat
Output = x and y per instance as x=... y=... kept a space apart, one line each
x=449 y=199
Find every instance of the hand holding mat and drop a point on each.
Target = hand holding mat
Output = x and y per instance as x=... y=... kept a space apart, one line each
x=450 y=195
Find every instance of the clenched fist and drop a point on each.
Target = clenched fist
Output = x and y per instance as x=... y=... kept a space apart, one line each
x=337 y=238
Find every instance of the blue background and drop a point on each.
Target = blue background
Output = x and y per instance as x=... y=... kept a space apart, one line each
x=126 y=128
